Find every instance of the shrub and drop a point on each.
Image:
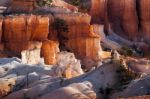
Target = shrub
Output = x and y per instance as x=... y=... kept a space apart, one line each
x=75 y=2
x=125 y=76
x=127 y=51
x=44 y=2
x=60 y=26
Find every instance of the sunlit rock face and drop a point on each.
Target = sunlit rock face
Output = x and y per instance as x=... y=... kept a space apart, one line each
x=20 y=28
x=1 y=30
x=19 y=32
x=6 y=86
x=80 y=37
x=49 y=51
x=69 y=64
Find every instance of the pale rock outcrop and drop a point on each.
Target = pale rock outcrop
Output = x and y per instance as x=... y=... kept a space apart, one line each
x=31 y=56
x=15 y=75
x=73 y=91
x=139 y=65
x=99 y=78
x=6 y=86
x=69 y=64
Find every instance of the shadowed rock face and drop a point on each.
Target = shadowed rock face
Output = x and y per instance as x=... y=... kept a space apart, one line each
x=5 y=2
x=128 y=18
x=137 y=88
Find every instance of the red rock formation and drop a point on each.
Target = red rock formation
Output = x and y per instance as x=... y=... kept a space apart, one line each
x=130 y=19
x=38 y=26
x=78 y=25
x=14 y=29
x=123 y=16
x=80 y=38
x=17 y=47
x=126 y=17
x=49 y=51
x=79 y=30
x=1 y=21
x=22 y=6
x=25 y=28
x=144 y=8
x=97 y=10
x=20 y=30
x=85 y=47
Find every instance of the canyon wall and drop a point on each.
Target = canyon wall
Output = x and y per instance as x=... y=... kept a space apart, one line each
x=128 y=18
x=20 y=32
x=123 y=17
x=80 y=37
x=144 y=17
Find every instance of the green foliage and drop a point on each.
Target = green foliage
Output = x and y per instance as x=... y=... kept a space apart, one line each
x=44 y=2
x=124 y=75
x=80 y=5
x=60 y=26
x=127 y=51
x=75 y=2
